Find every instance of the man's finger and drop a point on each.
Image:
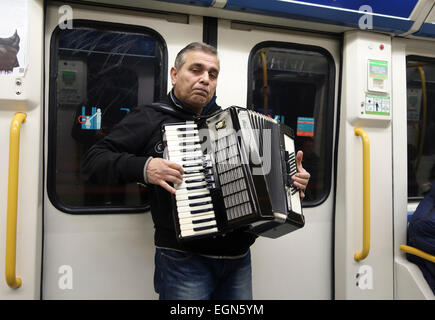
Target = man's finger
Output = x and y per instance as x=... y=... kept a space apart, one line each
x=175 y=166
x=299 y=185
x=174 y=173
x=301 y=179
x=174 y=179
x=299 y=157
x=167 y=187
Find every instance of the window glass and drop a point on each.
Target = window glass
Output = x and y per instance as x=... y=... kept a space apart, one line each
x=99 y=73
x=420 y=79
x=295 y=84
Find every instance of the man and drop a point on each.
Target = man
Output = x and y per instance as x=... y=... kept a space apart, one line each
x=211 y=268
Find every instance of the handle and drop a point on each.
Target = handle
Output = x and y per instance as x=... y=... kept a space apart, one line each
x=265 y=85
x=11 y=225
x=417 y=252
x=366 y=195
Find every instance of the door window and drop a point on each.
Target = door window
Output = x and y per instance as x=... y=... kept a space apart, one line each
x=99 y=72
x=295 y=85
x=420 y=80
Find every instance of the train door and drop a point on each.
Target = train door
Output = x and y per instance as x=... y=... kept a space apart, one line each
x=413 y=132
x=293 y=77
x=21 y=117
x=100 y=64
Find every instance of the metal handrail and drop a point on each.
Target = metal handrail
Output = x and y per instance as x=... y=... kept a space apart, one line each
x=417 y=252
x=11 y=225
x=366 y=195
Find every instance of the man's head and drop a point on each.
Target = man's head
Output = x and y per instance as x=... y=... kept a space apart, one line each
x=194 y=75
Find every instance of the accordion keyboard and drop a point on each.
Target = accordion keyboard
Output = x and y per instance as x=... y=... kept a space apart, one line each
x=193 y=200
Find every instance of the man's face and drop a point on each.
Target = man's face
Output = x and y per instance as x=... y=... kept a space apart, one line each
x=195 y=82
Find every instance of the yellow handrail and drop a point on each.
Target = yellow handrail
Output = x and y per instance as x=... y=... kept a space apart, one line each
x=366 y=195
x=421 y=135
x=418 y=252
x=11 y=225
x=265 y=87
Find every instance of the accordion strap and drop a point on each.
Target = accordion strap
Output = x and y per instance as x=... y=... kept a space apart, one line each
x=178 y=112
x=173 y=111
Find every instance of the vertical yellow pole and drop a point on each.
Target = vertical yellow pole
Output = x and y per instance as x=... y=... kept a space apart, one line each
x=366 y=195
x=11 y=225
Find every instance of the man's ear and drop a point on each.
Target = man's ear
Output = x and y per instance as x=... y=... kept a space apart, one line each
x=173 y=75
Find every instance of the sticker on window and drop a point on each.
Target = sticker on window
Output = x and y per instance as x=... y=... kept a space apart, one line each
x=305 y=127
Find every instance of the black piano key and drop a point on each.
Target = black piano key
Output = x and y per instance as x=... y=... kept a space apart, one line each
x=187 y=129
x=192 y=165
x=199 y=196
x=190 y=150
x=182 y=144
x=193 y=171
x=187 y=135
x=197 y=204
x=190 y=158
x=194 y=180
x=200 y=211
x=196 y=187
x=203 y=220
x=204 y=228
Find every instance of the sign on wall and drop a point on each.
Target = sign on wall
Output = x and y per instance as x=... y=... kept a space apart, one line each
x=13 y=37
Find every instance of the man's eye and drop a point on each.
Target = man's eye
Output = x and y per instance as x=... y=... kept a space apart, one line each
x=213 y=75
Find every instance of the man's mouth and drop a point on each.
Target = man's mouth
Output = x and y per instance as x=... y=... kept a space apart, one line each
x=201 y=92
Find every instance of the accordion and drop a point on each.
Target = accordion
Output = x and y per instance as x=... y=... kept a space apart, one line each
x=237 y=173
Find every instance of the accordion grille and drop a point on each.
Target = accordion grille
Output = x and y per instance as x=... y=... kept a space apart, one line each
x=231 y=177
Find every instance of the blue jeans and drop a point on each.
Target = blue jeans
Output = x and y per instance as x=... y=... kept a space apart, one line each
x=187 y=276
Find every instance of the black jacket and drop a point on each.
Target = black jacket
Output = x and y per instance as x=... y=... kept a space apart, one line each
x=120 y=158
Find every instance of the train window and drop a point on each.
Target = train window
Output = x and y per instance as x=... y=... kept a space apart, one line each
x=420 y=80
x=99 y=73
x=295 y=84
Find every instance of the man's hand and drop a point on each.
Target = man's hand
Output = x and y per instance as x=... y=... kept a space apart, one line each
x=300 y=179
x=160 y=171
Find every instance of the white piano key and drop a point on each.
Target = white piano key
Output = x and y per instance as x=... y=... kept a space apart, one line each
x=180 y=126
x=188 y=233
x=184 y=148
x=190 y=209
x=188 y=215
x=194 y=168
x=191 y=205
x=180 y=196
x=191 y=226
x=188 y=192
x=183 y=203
x=193 y=217
x=182 y=159
x=184 y=185
x=176 y=136
x=171 y=143
x=178 y=154
x=173 y=140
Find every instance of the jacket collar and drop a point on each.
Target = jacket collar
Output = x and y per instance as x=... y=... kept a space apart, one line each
x=208 y=109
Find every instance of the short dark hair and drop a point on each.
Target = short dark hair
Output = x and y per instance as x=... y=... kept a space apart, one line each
x=199 y=46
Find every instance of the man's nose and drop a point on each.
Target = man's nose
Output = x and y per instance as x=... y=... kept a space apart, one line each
x=205 y=77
